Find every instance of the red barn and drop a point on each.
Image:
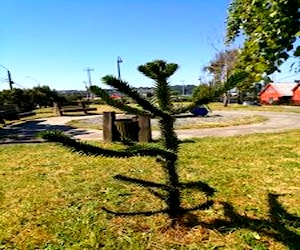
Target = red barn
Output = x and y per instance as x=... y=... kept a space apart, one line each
x=296 y=94
x=279 y=93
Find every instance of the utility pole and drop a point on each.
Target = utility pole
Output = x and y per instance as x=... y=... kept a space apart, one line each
x=9 y=80
x=88 y=70
x=9 y=77
x=119 y=60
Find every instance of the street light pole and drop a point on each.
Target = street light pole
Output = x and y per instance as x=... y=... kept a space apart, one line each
x=9 y=77
x=119 y=60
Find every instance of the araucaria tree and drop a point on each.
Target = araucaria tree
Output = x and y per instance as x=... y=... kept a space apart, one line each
x=167 y=156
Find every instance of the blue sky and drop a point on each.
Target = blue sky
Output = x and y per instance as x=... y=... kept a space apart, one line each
x=51 y=42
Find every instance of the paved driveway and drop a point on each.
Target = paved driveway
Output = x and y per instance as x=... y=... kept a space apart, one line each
x=277 y=121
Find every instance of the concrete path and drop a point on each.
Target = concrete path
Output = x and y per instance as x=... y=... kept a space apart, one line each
x=277 y=121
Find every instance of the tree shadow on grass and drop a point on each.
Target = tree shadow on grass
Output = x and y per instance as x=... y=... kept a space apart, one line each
x=26 y=132
x=156 y=190
x=278 y=226
x=169 y=193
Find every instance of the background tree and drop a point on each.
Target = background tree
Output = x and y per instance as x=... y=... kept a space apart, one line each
x=270 y=28
x=222 y=66
x=204 y=94
x=226 y=75
x=28 y=99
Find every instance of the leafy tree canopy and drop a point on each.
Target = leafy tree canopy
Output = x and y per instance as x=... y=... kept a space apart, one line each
x=270 y=28
x=222 y=66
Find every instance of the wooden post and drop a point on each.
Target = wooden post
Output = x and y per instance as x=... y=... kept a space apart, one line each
x=56 y=109
x=109 y=126
x=144 y=129
x=82 y=104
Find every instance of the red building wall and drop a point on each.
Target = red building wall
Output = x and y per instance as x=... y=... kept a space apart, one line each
x=296 y=95
x=269 y=95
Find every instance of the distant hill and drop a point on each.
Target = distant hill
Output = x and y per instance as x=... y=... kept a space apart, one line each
x=177 y=89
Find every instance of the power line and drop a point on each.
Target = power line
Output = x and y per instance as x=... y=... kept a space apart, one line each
x=19 y=85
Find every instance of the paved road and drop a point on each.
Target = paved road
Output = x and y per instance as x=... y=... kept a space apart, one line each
x=277 y=121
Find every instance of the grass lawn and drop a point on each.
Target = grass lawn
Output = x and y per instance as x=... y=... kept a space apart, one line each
x=51 y=198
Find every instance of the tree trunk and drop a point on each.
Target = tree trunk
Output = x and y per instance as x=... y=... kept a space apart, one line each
x=225 y=99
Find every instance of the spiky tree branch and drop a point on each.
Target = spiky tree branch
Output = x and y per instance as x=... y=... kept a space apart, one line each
x=119 y=104
x=124 y=87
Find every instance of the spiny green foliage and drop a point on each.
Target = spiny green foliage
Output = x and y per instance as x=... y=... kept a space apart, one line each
x=118 y=103
x=160 y=71
x=270 y=28
x=124 y=87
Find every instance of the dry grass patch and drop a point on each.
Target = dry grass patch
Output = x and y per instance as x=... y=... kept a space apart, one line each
x=194 y=123
x=275 y=108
